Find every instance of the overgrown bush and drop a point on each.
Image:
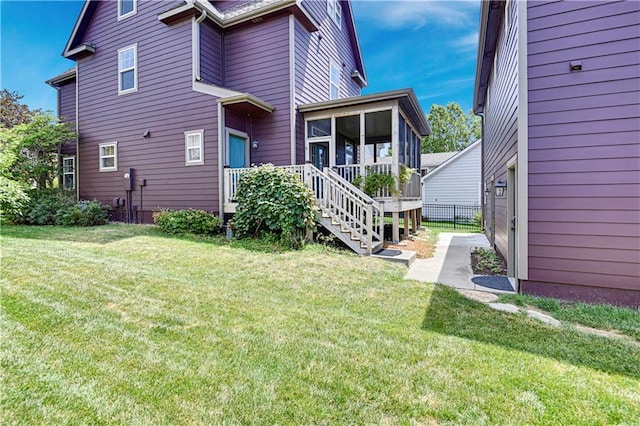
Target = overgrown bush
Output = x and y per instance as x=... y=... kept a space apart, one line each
x=84 y=213
x=273 y=200
x=59 y=207
x=13 y=197
x=189 y=221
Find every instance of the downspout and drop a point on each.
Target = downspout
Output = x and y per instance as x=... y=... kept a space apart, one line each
x=196 y=46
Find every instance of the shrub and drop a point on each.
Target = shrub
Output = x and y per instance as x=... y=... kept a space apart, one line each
x=84 y=213
x=189 y=221
x=477 y=219
x=374 y=182
x=13 y=197
x=273 y=200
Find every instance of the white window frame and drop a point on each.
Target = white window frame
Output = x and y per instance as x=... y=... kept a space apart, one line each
x=134 y=68
x=187 y=148
x=66 y=173
x=115 y=156
x=334 y=10
x=128 y=14
x=334 y=84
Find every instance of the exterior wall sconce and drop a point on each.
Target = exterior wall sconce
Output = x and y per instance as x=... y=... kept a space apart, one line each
x=255 y=144
x=500 y=187
x=146 y=134
x=575 y=66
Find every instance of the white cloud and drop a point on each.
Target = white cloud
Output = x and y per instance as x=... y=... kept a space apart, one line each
x=416 y=14
x=467 y=42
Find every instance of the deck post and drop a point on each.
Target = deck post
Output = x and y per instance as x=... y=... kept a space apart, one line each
x=369 y=227
x=395 y=228
x=406 y=215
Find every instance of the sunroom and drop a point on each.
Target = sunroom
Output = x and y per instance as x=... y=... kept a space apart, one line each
x=374 y=142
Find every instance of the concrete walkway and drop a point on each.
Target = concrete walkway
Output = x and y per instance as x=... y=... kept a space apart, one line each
x=451 y=262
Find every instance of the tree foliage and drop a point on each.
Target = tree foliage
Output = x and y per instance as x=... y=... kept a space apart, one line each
x=30 y=151
x=452 y=129
x=12 y=112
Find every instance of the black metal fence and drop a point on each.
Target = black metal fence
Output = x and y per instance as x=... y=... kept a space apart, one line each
x=449 y=216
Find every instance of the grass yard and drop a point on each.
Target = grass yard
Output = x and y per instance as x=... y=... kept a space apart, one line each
x=122 y=325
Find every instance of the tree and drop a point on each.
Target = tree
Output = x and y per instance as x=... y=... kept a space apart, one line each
x=452 y=129
x=12 y=112
x=30 y=151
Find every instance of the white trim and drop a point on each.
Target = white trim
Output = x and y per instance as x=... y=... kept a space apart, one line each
x=333 y=65
x=221 y=154
x=247 y=152
x=212 y=90
x=72 y=173
x=77 y=137
x=292 y=87
x=523 y=145
x=395 y=143
x=128 y=14
x=114 y=168
x=188 y=133
x=134 y=68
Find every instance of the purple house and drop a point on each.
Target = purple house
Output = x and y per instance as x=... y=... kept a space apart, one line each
x=172 y=100
x=558 y=88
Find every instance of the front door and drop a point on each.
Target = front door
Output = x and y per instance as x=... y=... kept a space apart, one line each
x=238 y=151
x=320 y=155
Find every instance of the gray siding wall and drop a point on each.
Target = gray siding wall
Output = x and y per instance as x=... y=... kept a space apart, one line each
x=257 y=62
x=164 y=104
x=210 y=54
x=584 y=149
x=499 y=141
x=457 y=182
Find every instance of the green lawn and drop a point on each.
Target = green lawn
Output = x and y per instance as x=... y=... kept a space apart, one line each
x=121 y=325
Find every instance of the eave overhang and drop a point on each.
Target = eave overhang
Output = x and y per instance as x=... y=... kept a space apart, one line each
x=85 y=49
x=405 y=97
x=247 y=12
x=247 y=104
x=491 y=13
x=73 y=49
x=62 y=79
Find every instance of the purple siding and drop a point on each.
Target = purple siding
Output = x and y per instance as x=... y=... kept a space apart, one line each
x=164 y=104
x=584 y=154
x=313 y=54
x=210 y=54
x=499 y=140
x=67 y=111
x=257 y=62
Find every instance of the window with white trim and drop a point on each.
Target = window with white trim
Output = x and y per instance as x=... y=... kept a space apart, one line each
x=194 y=147
x=68 y=172
x=334 y=81
x=335 y=11
x=128 y=69
x=127 y=8
x=108 y=157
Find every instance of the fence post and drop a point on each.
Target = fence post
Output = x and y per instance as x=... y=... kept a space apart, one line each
x=455 y=220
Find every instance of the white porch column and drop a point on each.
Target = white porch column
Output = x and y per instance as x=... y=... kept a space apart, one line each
x=361 y=150
x=332 y=143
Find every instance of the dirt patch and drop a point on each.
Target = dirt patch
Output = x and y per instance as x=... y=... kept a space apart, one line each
x=422 y=243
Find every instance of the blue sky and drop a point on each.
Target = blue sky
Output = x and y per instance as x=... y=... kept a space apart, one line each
x=425 y=44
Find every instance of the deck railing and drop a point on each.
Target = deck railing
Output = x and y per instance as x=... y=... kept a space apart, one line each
x=351 y=209
x=411 y=189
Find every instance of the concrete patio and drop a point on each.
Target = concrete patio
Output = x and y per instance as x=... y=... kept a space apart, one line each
x=451 y=262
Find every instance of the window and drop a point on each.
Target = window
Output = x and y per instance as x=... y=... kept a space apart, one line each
x=127 y=8
x=349 y=151
x=194 y=150
x=68 y=172
x=334 y=81
x=109 y=157
x=335 y=11
x=319 y=128
x=127 y=72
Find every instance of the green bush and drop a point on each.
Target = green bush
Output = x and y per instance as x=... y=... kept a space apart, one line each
x=477 y=219
x=13 y=197
x=187 y=221
x=59 y=207
x=84 y=213
x=374 y=182
x=273 y=200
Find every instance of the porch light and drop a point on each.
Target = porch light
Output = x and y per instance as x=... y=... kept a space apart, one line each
x=575 y=66
x=500 y=187
x=255 y=144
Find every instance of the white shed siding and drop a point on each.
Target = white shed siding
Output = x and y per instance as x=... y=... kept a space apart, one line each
x=455 y=182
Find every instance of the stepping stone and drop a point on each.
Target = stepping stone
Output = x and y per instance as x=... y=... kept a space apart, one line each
x=504 y=307
x=480 y=296
x=544 y=318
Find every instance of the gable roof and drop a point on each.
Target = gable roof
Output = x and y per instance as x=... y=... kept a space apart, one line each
x=435 y=159
x=452 y=159
x=491 y=13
